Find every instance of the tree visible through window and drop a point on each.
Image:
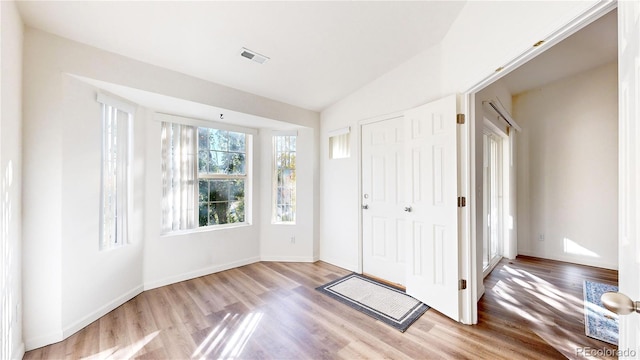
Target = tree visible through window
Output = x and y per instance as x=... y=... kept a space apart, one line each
x=221 y=176
x=284 y=151
x=204 y=173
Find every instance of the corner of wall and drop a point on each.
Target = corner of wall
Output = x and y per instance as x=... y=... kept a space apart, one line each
x=101 y=311
x=12 y=40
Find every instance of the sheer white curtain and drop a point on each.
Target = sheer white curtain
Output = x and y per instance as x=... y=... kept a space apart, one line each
x=179 y=176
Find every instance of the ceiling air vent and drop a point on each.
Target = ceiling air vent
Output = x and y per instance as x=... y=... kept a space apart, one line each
x=253 y=56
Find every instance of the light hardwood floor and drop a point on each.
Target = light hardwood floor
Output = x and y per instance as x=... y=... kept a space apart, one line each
x=532 y=309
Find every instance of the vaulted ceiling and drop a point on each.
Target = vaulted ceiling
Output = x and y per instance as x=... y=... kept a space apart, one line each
x=320 y=51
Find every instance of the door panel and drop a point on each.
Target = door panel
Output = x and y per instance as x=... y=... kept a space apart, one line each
x=380 y=236
x=383 y=233
x=432 y=181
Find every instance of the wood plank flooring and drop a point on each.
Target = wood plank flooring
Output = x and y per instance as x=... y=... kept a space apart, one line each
x=532 y=309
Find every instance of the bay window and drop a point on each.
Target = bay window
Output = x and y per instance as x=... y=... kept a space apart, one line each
x=204 y=172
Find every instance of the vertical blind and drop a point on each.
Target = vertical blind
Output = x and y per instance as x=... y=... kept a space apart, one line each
x=339 y=144
x=179 y=176
x=115 y=202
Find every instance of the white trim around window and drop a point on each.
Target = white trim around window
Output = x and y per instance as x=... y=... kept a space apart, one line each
x=116 y=102
x=116 y=188
x=206 y=175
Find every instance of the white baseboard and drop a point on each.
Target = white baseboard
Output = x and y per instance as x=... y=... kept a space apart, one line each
x=100 y=312
x=481 y=291
x=197 y=273
x=341 y=264
x=43 y=340
x=573 y=260
x=307 y=259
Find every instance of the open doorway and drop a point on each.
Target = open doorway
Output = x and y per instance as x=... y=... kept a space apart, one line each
x=563 y=184
x=562 y=176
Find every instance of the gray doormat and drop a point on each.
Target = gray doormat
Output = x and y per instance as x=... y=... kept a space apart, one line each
x=382 y=302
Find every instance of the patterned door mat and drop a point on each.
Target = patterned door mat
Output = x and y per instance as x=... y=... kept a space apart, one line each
x=380 y=301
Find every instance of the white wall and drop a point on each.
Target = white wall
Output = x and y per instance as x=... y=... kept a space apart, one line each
x=290 y=242
x=68 y=283
x=404 y=87
x=93 y=281
x=568 y=169
x=11 y=298
x=485 y=36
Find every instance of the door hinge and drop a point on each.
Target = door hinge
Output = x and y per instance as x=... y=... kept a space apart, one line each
x=462 y=201
x=459 y=118
x=462 y=284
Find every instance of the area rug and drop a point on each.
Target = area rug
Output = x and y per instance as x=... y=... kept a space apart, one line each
x=387 y=304
x=599 y=323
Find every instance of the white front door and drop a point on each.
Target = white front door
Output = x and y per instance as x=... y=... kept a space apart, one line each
x=629 y=172
x=383 y=224
x=432 y=185
x=410 y=208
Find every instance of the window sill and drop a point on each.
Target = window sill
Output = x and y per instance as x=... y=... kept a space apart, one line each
x=283 y=223
x=205 y=229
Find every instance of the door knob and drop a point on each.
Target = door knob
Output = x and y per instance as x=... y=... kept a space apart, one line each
x=365 y=207
x=619 y=303
x=407 y=208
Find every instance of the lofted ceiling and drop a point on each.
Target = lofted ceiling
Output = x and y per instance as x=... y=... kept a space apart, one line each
x=320 y=51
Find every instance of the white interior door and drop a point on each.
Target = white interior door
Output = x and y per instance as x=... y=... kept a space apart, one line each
x=432 y=183
x=383 y=223
x=629 y=191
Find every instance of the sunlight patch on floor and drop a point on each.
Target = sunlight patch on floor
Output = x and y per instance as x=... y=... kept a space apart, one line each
x=228 y=339
x=565 y=342
x=510 y=302
x=126 y=352
x=517 y=309
x=542 y=290
x=547 y=299
x=522 y=283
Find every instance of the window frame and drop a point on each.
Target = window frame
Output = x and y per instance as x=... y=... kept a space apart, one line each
x=223 y=177
x=275 y=186
x=108 y=104
x=250 y=134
